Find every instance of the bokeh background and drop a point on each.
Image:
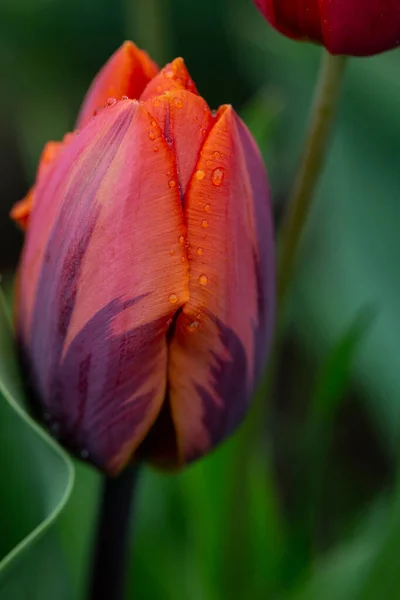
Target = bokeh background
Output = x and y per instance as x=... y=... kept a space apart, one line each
x=304 y=502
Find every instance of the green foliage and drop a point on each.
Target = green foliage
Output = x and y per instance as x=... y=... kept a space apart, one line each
x=37 y=478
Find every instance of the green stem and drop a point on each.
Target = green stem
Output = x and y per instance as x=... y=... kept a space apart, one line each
x=316 y=145
x=111 y=546
x=148 y=24
x=323 y=114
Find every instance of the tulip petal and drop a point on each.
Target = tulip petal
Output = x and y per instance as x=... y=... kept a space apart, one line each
x=126 y=73
x=21 y=211
x=105 y=262
x=174 y=76
x=221 y=336
x=353 y=27
x=185 y=120
x=300 y=19
x=360 y=28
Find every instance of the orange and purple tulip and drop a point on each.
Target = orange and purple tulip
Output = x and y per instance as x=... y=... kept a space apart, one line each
x=353 y=27
x=145 y=294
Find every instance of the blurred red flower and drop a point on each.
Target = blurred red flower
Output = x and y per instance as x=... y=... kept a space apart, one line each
x=353 y=27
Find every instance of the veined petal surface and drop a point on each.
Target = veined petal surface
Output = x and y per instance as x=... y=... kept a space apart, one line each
x=221 y=335
x=174 y=76
x=100 y=279
x=126 y=73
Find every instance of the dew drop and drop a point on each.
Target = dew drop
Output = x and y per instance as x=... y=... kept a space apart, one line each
x=182 y=258
x=207 y=208
x=193 y=325
x=209 y=163
x=199 y=251
x=172 y=252
x=217 y=154
x=169 y=74
x=123 y=98
x=217 y=176
x=111 y=101
x=155 y=149
x=181 y=239
x=152 y=135
x=171 y=183
x=200 y=174
x=195 y=118
x=173 y=298
x=178 y=102
x=153 y=123
x=204 y=132
x=204 y=224
x=156 y=102
x=203 y=279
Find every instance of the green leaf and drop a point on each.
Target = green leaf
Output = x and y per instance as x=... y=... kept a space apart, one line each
x=36 y=481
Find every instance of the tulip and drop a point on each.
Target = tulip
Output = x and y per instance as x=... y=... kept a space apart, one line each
x=145 y=292
x=353 y=27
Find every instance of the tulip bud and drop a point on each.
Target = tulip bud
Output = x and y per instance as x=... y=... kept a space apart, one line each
x=353 y=27
x=146 y=285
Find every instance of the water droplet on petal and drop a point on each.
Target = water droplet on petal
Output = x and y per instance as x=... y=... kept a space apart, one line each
x=217 y=176
x=181 y=239
x=204 y=132
x=156 y=102
x=209 y=163
x=173 y=298
x=204 y=224
x=178 y=102
x=207 y=208
x=152 y=135
x=172 y=183
x=199 y=251
x=169 y=74
x=122 y=98
x=195 y=118
x=217 y=154
x=203 y=279
x=199 y=174
x=193 y=325
x=182 y=258
x=111 y=101
x=155 y=149
x=172 y=252
x=153 y=123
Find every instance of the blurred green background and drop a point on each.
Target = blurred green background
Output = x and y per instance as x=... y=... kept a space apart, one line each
x=303 y=504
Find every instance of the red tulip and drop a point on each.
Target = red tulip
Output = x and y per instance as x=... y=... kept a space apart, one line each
x=145 y=289
x=354 y=27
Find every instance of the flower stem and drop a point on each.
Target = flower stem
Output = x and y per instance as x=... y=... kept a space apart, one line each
x=322 y=118
x=112 y=536
x=317 y=141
